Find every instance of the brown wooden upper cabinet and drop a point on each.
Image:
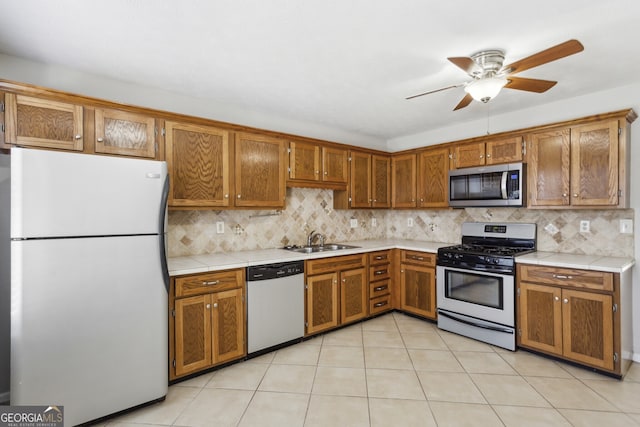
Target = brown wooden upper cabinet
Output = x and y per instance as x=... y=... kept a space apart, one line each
x=124 y=133
x=490 y=152
x=43 y=123
x=311 y=163
x=198 y=163
x=577 y=166
x=370 y=181
x=259 y=171
x=433 y=178
x=404 y=180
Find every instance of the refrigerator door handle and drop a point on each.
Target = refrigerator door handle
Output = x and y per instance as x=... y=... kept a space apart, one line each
x=162 y=231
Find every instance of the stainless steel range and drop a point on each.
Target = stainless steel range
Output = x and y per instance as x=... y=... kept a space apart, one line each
x=475 y=281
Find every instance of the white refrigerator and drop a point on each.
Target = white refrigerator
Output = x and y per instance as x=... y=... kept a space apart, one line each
x=89 y=282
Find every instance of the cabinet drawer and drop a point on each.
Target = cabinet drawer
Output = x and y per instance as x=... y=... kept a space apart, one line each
x=379 y=272
x=382 y=287
x=380 y=304
x=333 y=264
x=568 y=277
x=382 y=257
x=208 y=282
x=422 y=258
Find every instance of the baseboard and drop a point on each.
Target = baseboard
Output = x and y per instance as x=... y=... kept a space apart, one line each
x=4 y=398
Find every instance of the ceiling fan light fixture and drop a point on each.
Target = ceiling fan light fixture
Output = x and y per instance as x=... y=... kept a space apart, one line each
x=486 y=88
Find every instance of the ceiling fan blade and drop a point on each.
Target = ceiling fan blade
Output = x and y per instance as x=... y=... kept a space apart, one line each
x=465 y=101
x=434 y=91
x=466 y=64
x=530 y=85
x=556 y=52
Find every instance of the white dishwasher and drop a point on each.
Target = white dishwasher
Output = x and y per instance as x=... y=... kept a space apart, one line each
x=275 y=305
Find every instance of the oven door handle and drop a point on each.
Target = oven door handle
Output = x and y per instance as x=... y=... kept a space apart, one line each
x=503 y=185
x=477 y=325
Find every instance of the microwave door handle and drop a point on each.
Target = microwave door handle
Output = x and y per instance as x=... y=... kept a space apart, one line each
x=503 y=185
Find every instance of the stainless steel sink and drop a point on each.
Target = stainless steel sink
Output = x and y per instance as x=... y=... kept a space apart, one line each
x=327 y=247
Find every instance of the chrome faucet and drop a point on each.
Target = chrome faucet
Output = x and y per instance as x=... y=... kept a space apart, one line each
x=311 y=237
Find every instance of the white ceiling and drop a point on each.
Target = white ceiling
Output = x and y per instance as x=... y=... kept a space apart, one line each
x=344 y=64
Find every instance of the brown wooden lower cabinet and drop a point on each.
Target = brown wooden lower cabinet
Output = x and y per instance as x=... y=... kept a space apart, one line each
x=207 y=322
x=573 y=314
x=336 y=292
x=418 y=283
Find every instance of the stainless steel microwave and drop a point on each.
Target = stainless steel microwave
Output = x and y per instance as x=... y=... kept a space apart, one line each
x=496 y=185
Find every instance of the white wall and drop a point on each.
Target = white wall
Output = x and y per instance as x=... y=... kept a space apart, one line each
x=599 y=102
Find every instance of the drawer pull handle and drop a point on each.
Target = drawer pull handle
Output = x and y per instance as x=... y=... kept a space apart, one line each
x=380 y=288
x=380 y=304
x=210 y=282
x=562 y=276
x=417 y=258
x=379 y=272
x=379 y=257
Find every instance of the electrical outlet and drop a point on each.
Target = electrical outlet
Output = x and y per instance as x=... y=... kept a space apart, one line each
x=585 y=226
x=353 y=222
x=374 y=222
x=626 y=226
x=220 y=227
x=409 y=222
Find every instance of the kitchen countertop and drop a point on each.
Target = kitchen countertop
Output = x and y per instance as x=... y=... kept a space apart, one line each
x=223 y=261
x=584 y=262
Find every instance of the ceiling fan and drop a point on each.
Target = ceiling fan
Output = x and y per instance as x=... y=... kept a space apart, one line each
x=490 y=76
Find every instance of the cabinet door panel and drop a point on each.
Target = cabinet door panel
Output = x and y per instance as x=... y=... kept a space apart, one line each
x=403 y=173
x=353 y=295
x=304 y=161
x=468 y=155
x=540 y=317
x=42 y=123
x=588 y=327
x=322 y=302
x=504 y=151
x=228 y=325
x=334 y=164
x=433 y=181
x=594 y=164
x=549 y=168
x=381 y=181
x=192 y=334
x=259 y=173
x=418 y=290
x=360 y=180
x=198 y=163
x=122 y=133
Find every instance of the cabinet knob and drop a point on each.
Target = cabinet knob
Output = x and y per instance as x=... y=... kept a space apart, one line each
x=208 y=306
x=215 y=305
x=78 y=136
x=226 y=196
x=317 y=172
x=575 y=194
x=239 y=196
x=344 y=280
x=101 y=139
x=481 y=156
x=565 y=195
x=557 y=298
x=488 y=155
x=566 y=300
x=326 y=173
x=375 y=200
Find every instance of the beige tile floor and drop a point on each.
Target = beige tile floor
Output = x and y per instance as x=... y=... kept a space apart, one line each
x=396 y=370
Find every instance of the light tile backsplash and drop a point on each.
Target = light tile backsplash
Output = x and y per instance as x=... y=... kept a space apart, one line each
x=194 y=232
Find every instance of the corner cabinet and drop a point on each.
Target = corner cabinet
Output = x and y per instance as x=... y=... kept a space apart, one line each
x=573 y=314
x=198 y=160
x=259 y=171
x=43 y=123
x=585 y=165
x=335 y=292
x=206 y=322
x=418 y=283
